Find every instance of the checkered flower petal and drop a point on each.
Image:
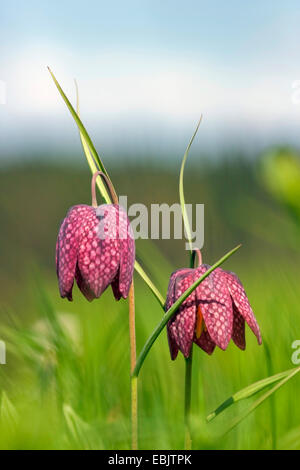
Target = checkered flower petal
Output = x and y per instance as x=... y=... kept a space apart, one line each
x=182 y=326
x=205 y=342
x=238 y=333
x=90 y=249
x=122 y=283
x=99 y=256
x=241 y=302
x=171 y=298
x=67 y=250
x=216 y=305
x=172 y=345
x=175 y=278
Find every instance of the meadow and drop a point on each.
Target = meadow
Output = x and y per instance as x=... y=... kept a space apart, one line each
x=66 y=382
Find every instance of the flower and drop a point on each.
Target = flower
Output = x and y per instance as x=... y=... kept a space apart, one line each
x=95 y=246
x=213 y=313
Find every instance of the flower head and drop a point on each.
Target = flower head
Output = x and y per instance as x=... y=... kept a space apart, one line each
x=95 y=246
x=213 y=313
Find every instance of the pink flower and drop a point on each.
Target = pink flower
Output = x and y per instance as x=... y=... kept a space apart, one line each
x=95 y=246
x=213 y=314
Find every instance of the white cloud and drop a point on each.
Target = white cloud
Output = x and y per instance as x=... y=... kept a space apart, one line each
x=136 y=88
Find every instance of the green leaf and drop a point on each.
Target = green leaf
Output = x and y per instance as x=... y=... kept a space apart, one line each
x=248 y=392
x=172 y=310
x=261 y=399
x=85 y=136
x=181 y=191
x=89 y=157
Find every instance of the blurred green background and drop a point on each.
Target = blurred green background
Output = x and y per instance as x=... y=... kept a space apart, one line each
x=66 y=381
x=146 y=70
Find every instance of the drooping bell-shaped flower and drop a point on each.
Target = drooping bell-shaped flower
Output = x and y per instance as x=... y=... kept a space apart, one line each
x=214 y=313
x=95 y=246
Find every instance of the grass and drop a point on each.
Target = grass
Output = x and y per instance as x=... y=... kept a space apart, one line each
x=66 y=382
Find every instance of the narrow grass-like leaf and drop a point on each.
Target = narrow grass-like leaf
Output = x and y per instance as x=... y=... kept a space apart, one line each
x=181 y=191
x=172 y=310
x=248 y=392
x=79 y=123
x=84 y=138
x=261 y=399
x=89 y=157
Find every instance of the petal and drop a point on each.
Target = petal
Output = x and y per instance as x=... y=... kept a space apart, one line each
x=99 y=257
x=89 y=295
x=205 y=342
x=238 y=333
x=171 y=298
x=216 y=305
x=172 y=344
x=181 y=327
x=115 y=287
x=67 y=250
x=241 y=302
x=123 y=280
x=176 y=276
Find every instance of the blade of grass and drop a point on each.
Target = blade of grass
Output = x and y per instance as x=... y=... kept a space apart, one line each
x=88 y=146
x=79 y=124
x=248 y=392
x=181 y=191
x=260 y=400
x=89 y=156
x=172 y=310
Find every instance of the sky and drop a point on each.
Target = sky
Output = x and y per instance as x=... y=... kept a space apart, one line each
x=146 y=70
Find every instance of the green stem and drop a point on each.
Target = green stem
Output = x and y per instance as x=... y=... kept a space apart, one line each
x=172 y=310
x=188 y=377
x=187 y=401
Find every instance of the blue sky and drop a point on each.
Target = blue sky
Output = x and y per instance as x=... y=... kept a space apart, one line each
x=146 y=70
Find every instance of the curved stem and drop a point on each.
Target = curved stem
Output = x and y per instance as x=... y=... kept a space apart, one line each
x=195 y=252
x=109 y=186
